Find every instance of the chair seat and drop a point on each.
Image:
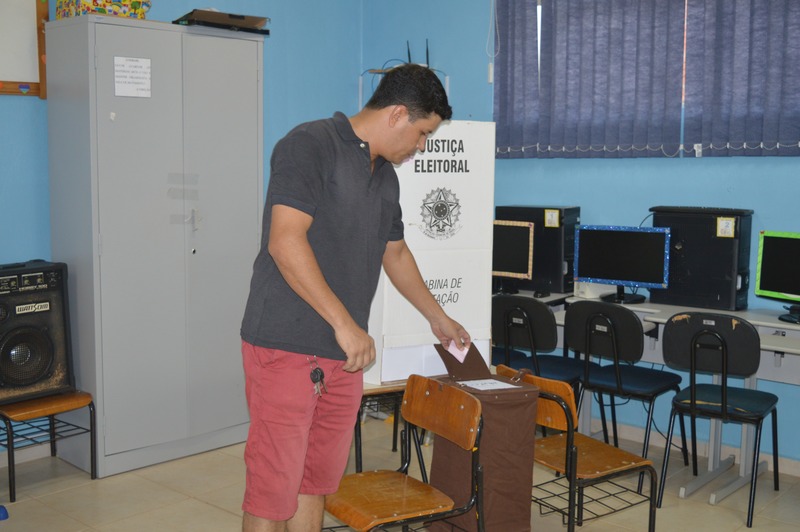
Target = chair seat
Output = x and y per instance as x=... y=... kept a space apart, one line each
x=596 y=458
x=517 y=359
x=372 y=498
x=554 y=367
x=45 y=406
x=741 y=401
x=636 y=380
x=562 y=368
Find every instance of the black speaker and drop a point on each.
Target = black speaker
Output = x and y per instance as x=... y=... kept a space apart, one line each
x=35 y=350
x=709 y=263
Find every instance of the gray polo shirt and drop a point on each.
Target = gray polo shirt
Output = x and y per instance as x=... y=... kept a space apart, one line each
x=323 y=169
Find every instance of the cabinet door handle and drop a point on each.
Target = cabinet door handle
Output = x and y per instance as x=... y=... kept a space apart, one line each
x=195 y=220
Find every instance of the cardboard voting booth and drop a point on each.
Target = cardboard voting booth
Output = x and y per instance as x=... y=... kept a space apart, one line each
x=447 y=196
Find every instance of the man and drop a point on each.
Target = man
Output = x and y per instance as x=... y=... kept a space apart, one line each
x=332 y=219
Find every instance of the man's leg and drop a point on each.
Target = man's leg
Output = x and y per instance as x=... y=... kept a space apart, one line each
x=251 y=523
x=275 y=395
x=310 y=512
x=281 y=399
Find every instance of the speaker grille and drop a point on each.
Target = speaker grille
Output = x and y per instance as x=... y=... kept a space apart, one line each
x=26 y=357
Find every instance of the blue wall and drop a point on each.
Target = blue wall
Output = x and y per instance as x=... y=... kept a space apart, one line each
x=456 y=32
x=24 y=198
x=313 y=60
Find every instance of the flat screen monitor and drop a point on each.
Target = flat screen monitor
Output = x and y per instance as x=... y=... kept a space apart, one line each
x=778 y=270
x=512 y=253
x=636 y=257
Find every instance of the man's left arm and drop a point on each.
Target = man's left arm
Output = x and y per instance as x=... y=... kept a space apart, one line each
x=401 y=268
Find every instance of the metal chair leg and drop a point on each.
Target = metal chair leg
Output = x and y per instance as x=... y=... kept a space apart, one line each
x=52 y=424
x=693 y=422
x=775 y=449
x=684 y=448
x=754 y=475
x=12 y=485
x=395 y=423
x=603 y=416
x=93 y=439
x=357 y=438
x=646 y=445
x=611 y=400
x=665 y=462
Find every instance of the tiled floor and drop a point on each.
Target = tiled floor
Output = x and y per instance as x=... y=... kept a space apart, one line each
x=203 y=494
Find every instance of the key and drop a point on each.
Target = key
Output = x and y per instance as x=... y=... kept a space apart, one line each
x=318 y=378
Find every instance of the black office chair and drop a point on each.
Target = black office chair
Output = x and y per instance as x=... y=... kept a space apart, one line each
x=701 y=342
x=523 y=322
x=502 y=352
x=613 y=332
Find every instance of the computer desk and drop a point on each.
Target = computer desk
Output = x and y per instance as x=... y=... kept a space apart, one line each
x=780 y=362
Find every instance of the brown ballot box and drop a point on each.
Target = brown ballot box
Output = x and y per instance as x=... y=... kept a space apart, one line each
x=506 y=451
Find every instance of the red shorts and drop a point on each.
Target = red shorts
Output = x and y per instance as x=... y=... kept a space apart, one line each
x=298 y=442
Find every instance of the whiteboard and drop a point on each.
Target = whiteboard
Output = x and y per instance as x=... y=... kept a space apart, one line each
x=19 y=48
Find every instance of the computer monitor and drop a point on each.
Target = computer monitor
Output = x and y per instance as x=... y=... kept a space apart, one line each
x=512 y=254
x=778 y=270
x=636 y=257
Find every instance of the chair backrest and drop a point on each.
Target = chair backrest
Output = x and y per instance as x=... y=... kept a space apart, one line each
x=524 y=322
x=443 y=409
x=604 y=329
x=717 y=341
x=548 y=413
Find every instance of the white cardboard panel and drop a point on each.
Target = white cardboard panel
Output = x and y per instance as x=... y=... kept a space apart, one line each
x=459 y=279
x=447 y=196
x=452 y=207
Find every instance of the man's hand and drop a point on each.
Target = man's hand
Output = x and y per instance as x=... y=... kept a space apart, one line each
x=448 y=330
x=358 y=346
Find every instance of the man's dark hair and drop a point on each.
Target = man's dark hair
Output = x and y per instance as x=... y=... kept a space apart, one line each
x=415 y=86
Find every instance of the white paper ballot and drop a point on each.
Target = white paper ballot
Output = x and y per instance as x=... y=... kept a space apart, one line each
x=459 y=354
x=487 y=384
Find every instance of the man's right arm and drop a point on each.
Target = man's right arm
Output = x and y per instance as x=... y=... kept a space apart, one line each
x=292 y=253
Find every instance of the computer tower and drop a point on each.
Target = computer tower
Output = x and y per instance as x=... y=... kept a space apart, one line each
x=553 y=244
x=709 y=257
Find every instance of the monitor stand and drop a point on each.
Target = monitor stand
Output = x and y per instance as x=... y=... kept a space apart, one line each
x=623 y=298
x=505 y=286
x=793 y=316
x=790 y=318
